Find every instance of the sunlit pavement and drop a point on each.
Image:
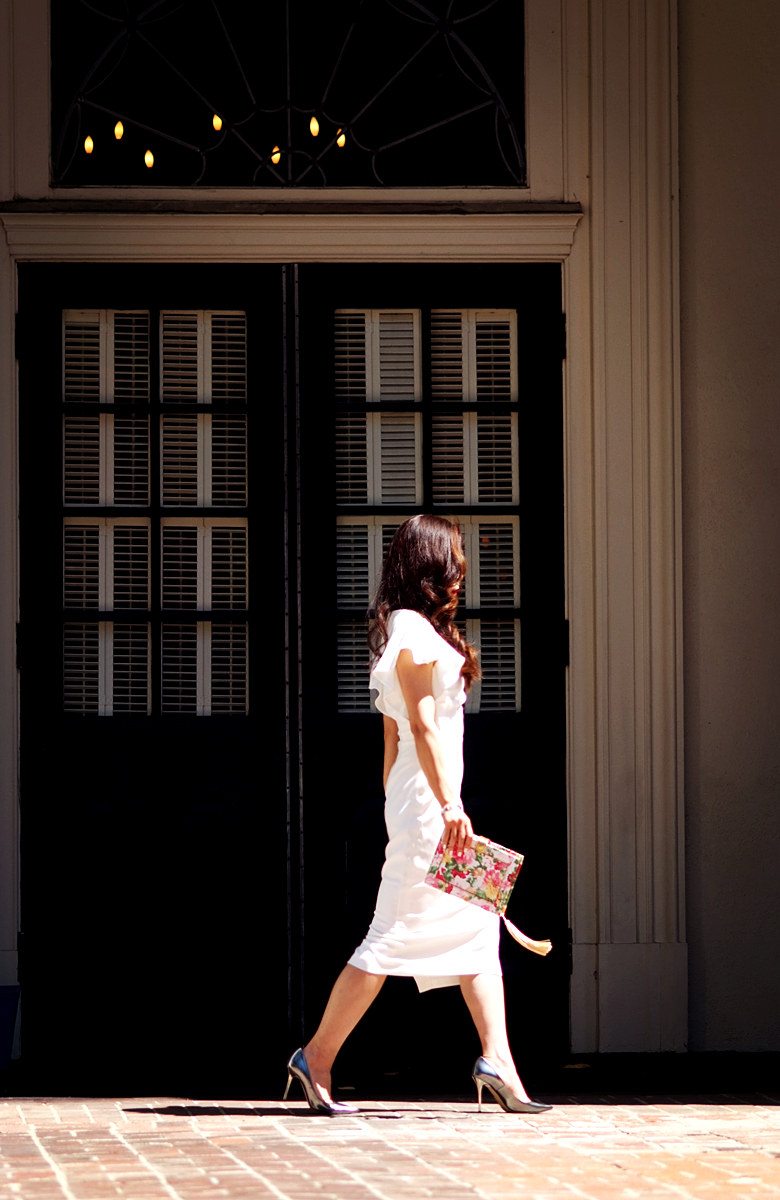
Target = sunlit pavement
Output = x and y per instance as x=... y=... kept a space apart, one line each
x=587 y=1146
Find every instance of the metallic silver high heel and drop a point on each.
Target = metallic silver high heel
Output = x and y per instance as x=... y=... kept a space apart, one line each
x=298 y=1068
x=485 y=1074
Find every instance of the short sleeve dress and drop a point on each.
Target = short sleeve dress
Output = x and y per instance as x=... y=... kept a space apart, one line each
x=416 y=930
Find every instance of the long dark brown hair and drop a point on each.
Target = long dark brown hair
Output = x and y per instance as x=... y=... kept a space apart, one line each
x=423 y=565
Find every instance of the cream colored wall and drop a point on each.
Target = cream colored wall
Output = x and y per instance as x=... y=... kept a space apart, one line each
x=730 y=339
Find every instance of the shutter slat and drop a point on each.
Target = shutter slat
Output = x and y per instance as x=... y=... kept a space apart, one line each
x=131 y=357
x=131 y=566
x=499 y=687
x=179 y=460
x=228 y=461
x=81 y=460
x=448 y=366
x=81 y=667
x=180 y=566
x=448 y=452
x=81 y=566
x=351 y=356
x=131 y=460
x=228 y=567
x=351 y=458
x=179 y=668
x=83 y=371
x=352 y=668
x=228 y=358
x=496 y=459
x=497 y=566
x=229 y=668
x=493 y=356
x=131 y=668
x=397 y=374
x=180 y=358
x=353 y=566
x=398 y=458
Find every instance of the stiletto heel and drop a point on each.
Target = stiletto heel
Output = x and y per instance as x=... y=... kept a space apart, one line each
x=485 y=1074
x=298 y=1068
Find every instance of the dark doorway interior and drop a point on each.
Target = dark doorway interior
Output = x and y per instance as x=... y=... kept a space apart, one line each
x=199 y=857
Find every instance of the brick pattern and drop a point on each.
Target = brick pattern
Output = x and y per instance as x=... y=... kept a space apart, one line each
x=586 y=1148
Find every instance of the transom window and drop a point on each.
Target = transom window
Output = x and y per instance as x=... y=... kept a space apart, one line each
x=288 y=94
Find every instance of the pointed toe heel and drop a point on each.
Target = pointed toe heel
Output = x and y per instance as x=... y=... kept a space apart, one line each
x=298 y=1068
x=486 y=1075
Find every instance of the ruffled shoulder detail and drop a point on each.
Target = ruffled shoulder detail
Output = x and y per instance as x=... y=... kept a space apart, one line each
x=409 y=630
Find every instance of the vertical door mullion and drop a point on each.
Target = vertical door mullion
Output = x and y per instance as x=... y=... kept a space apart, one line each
x=290 y=300
x=426 y=448
x=155 y=510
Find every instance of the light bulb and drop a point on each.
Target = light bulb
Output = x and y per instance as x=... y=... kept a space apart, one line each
x=314 y=126
x=341 y=139
x=276 y=155
x=216 y=121
x=119 y=130
x=149 y=158
x=89 y=145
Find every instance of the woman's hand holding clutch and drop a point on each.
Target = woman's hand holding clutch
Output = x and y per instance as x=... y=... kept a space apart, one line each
x=457 y=828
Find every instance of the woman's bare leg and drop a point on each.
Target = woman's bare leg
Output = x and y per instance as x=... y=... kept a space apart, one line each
x=484 y=996
x=351 y=996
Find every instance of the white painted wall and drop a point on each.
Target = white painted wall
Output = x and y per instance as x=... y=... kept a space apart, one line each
x=730 y=339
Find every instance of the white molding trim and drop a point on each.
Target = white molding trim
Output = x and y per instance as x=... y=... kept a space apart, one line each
x=169 y=237
x=626 y=821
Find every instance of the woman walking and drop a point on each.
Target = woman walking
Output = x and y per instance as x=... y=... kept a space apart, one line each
x=421 y=670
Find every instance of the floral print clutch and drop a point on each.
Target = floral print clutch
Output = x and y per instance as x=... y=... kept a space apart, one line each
x=484 y=874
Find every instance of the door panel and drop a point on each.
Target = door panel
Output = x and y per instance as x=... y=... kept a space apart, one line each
x=154 y=796
x=436 y=389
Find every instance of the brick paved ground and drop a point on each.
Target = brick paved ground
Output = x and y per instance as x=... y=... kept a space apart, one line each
x=587 y=1147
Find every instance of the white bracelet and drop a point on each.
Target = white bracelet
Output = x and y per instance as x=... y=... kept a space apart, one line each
x=459 y=807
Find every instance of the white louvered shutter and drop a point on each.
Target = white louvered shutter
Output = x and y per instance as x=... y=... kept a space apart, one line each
x=182 y=341
x=226 y=355
x=203 y=455
x=105 y=362
x=181 y=674
x=473 y=360
x=130 y=667
x=204 y=664
x=82 y=665
x=499 y=652
x=229 y=669
x=377 y=360
x=106 y=668
x=361 y=544
x=105 y=567
x=203 y=463
x=492 y=546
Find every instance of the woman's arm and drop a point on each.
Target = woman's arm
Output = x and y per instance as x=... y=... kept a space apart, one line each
x=416 y=682
x=390 y=728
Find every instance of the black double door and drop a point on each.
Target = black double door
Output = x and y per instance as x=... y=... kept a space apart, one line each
x=211 y=460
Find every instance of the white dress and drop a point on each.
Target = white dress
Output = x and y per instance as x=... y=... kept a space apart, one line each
x=417 y=930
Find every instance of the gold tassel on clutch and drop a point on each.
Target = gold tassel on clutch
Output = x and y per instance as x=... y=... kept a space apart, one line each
x=536 y=947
